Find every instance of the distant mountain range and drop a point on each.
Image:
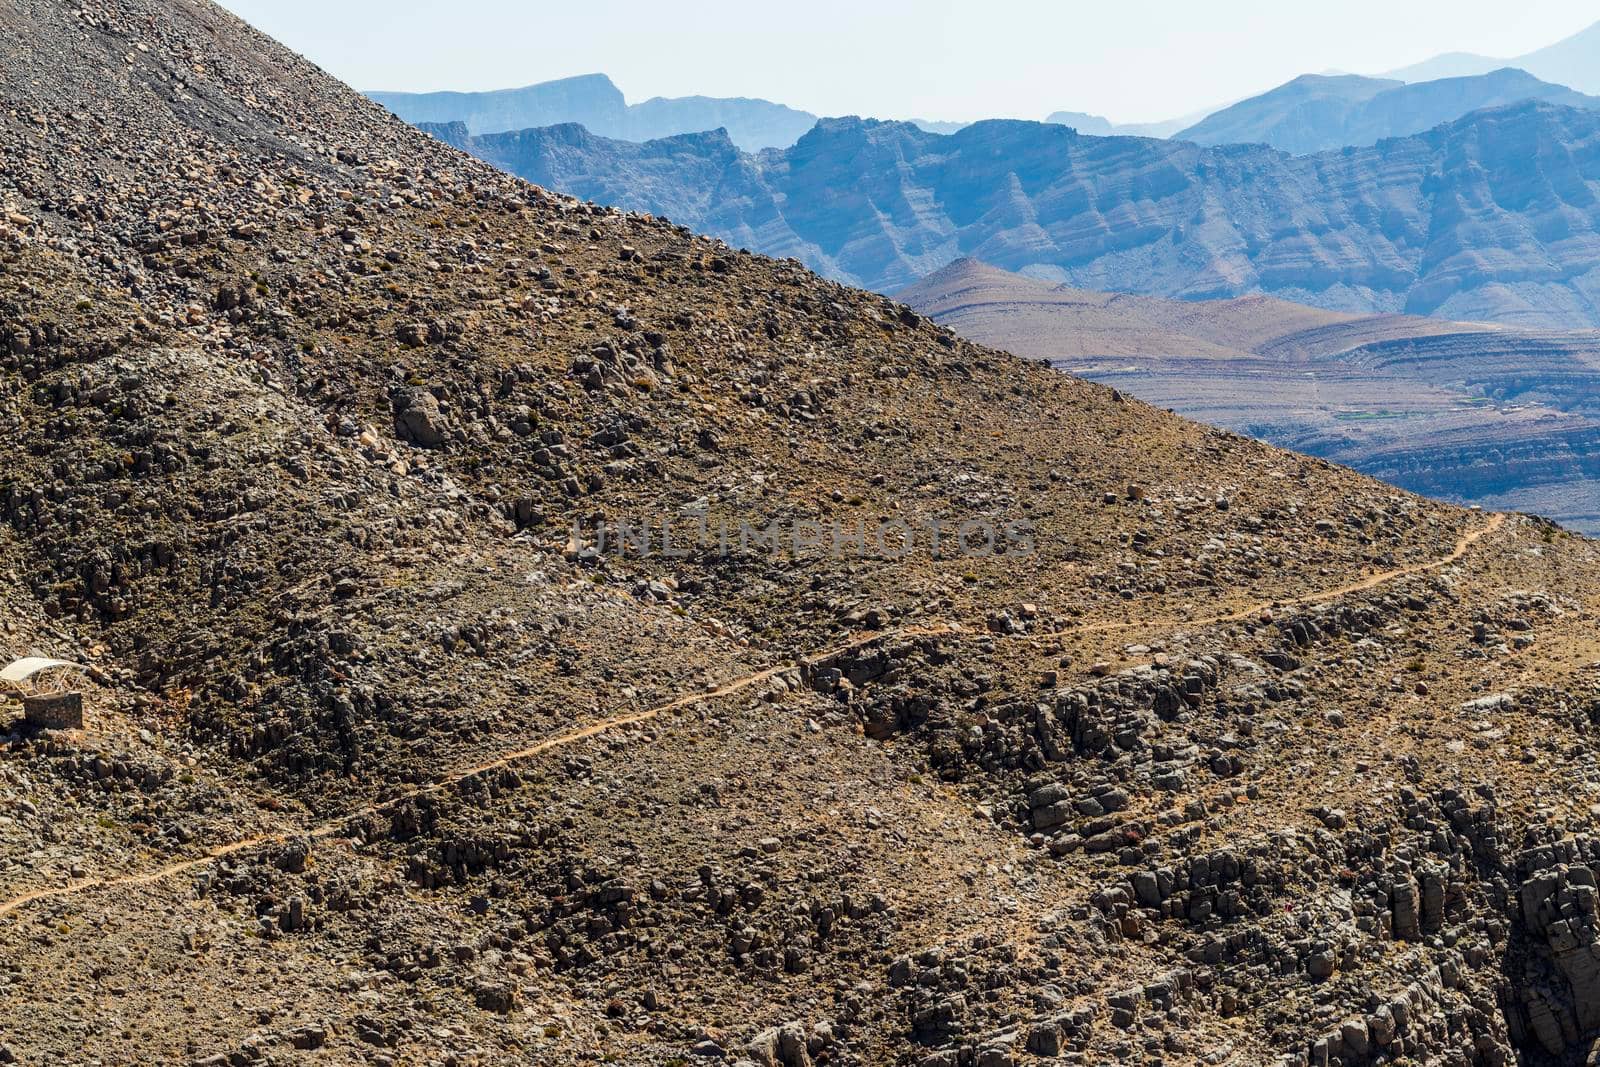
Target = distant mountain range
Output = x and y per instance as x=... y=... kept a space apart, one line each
x=1573 y=62
x=1317 y=113
x=1500 y=417
x=932 y=126
x=1309 y=114
x=595 y=102
x=1314 y=113
x=1103 y=127
x=1494 y=217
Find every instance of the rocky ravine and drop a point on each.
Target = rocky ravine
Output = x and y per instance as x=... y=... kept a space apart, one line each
x=1490 y=218
x=1237 y=757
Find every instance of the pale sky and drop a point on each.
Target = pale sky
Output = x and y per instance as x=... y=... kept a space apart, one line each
x=1130 y=60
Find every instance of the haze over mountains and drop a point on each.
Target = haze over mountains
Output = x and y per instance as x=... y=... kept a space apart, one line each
x=595 y=102
x=1100 y=126
x=1317 y=113
x=1476 y=414
x=1311 y=113
x=1574 y=62
x=1493 y=217
x=1307 y=114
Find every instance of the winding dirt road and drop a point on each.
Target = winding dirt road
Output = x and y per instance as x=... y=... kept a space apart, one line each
x=335 y=827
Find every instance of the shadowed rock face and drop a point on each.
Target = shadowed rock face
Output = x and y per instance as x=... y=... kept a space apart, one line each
x=1493 y=217
x=1499 y=417
x=594 y=101
x=1316 y=113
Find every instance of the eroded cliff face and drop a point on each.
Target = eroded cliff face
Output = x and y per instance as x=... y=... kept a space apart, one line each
x=1493 y=217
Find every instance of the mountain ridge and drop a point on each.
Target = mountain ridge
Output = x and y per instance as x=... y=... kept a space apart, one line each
x=595 y=102
x=1100 y=126
x=1380 y=229
x=1571 y=61
x=1318 y=114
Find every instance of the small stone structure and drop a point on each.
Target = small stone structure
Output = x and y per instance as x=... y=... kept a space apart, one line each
x=58 y=708
x=58 y=711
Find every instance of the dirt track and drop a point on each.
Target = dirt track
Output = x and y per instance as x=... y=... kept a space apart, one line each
x=333 y=827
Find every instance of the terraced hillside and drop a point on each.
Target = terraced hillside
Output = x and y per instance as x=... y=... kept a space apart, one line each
x=1219 y=752
x=1498 y=417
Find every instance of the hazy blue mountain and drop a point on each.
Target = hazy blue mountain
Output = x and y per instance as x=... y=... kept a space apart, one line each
x=932 y=126
x=1573 y=62
x=1495 y=217
x=1315 y=113
x=591 y=99
x=595 y=102
x=682 y=177
x=1097 y=125
x=1448 y=65
x=1103 y=127
x=752 y=124
x=1294 y=116
x=454 y=134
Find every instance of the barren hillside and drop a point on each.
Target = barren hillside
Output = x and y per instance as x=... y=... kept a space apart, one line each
x=1219 y=753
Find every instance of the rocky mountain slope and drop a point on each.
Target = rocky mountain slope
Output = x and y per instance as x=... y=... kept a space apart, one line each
x=1216 y=753
x=1480 y=415
x=1319 y=113
x=1492 y=218
x=594 y=102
